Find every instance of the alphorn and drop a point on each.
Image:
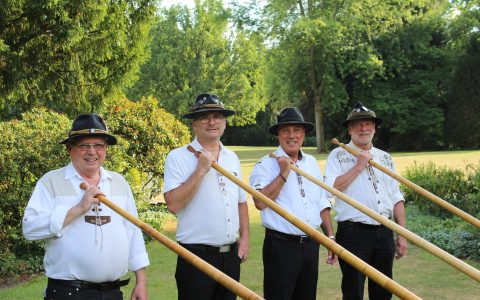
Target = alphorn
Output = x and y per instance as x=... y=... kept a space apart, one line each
x=430 y=196
x=445 y=256
x=354 y=261
x=196 y=261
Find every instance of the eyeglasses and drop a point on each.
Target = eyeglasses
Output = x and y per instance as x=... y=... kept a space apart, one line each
x=96 y=147
x=206 y=119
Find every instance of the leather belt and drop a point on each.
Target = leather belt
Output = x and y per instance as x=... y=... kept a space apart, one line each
x=208 y=248
x=361 y=225
x=300 y=239
x=102 y=286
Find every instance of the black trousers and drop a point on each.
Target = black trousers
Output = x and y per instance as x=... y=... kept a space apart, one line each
x=63 y=292
x=374 y=245
x=290 y=268
x=194 y=284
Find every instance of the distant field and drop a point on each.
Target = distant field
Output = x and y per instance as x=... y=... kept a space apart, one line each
x=455 y=159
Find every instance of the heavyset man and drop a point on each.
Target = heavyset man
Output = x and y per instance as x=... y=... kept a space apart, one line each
x=211 y=209
x=88 y=247
x=358 y=233
x=290 y=258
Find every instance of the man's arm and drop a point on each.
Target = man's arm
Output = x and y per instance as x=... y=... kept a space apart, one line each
x=343 y=181
x=177 y=198
x=244 y=240
x=140 y=290
x=88 y=200
x=272 y=190
x=327 y=229
x=399 y=217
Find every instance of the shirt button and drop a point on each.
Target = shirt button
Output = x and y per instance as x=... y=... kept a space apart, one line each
x=378 y=202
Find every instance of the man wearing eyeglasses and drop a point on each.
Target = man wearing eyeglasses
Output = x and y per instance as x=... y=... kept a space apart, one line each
x=88 y=247
x=212 y=210
x=290 y=257
x=361 y=235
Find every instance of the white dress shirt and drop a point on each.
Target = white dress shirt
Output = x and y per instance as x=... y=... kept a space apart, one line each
x=299 y=196
x=82 y=250
x=211 y=217
x=373 y=188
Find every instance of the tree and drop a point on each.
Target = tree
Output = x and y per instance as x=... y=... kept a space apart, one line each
x=321 y=48
x=194 y=52
x=462 y=125
x=69 y=55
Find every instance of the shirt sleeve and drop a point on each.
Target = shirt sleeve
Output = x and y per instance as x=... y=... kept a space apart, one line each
x=42 y=219
x=138 y=257
x=332 y=170
x=395 y=187
x=261 y=175
x=242 y=195
x=173 y=176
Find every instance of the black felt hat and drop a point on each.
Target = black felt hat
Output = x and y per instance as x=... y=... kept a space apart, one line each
x=86 y=125
x=361 y=112
x=291 y=116
x=207 y=103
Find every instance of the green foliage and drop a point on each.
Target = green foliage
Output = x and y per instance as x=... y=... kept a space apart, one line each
x=147 y=134
x=452 y=235
x=155 y=215
x=194 y=52
x=462 y=124
x=69 y=55
x=458 y=187
x=28 y=149
x=323 y=48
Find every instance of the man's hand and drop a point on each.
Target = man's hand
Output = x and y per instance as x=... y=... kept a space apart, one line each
x=362 y=159
x=140 y=290
x=89 y=199
x=284 y=165
x=205 y=160
x=243 y=248
x=401 y=249
x=331 y=258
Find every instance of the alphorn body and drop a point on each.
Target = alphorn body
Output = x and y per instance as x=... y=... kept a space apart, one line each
x=445 y=256
x=430 y=196
x=347 y=256
x=196 y=261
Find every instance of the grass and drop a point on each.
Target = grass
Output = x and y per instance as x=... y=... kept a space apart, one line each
x=422 y=273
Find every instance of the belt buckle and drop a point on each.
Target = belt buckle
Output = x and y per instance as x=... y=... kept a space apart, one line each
x=224 y=248
x=303 y=239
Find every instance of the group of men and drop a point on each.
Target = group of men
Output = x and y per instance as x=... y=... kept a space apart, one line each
x=89 y=247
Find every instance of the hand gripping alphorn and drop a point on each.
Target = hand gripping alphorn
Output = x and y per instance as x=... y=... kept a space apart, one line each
x=196 y=261
x=344 y=254
x=447 y=257
x=432 y=197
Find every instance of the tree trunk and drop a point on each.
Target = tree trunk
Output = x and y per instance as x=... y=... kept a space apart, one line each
x=319 y=128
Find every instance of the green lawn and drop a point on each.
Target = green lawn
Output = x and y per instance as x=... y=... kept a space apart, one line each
x=420 y=272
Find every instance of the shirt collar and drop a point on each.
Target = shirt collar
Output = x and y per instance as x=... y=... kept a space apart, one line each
x=197 y=146
x=353 y=146
x=280 y=152
x=71 y=172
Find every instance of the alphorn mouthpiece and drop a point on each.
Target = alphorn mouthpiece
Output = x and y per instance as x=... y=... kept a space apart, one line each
x=335 y=141
x=83 y=186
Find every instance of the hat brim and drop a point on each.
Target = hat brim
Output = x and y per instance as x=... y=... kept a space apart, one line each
x=308 y=126
x=111 y=140
x=193 y=115
x=377 y=120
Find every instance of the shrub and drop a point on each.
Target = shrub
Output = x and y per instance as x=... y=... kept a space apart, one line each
x=149 y=133
x=155 y=215
x=29 y=148
x=452 y=235
x=460 y=188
